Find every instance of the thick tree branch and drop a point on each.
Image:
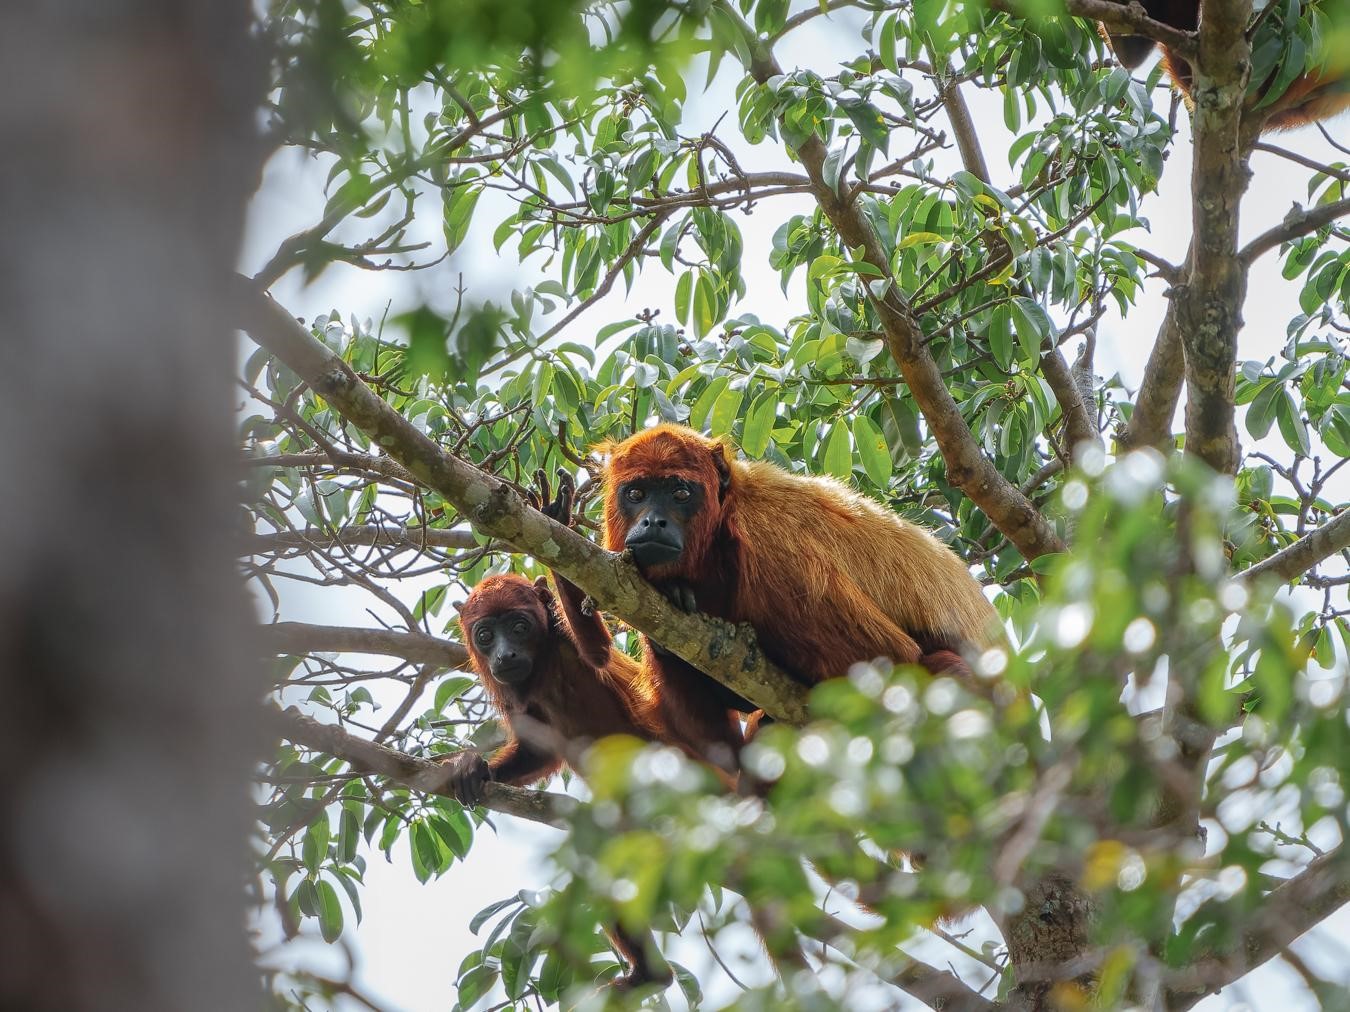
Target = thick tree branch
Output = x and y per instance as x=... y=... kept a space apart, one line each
x=419 y=774
x=1298 y=222
x=726 y=652
x=1314 y=547
x=1209 y=307
x=417 y=647
x=967 y=467
x=1292 y=908
x=362 y=535
x=940 y=989
x=1119 y=18
x=1078 y=427
x=1160 y=391
x=963 y=127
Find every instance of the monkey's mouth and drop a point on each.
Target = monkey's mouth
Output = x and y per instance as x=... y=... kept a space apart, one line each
x=650 y=553
x=512 y=672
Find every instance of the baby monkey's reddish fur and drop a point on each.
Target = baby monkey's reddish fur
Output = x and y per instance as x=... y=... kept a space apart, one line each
x=826 y=576
x=578 y=690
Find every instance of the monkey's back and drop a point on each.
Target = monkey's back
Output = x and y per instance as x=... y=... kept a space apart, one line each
x=815 y=553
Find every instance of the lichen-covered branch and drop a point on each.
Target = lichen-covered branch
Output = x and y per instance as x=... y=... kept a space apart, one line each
x=726 y=652
x=419 y=774
x=1160 y=392
x=1314 y=547
x=417 y=647
x=1209 y=306
x=1295 y=906
x=1298 y=222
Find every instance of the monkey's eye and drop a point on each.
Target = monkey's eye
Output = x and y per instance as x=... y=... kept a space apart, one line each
x=520 y=628
x=482 y=636
x=635 y=495
x=681 y=495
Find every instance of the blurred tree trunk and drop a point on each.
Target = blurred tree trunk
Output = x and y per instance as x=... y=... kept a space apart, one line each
x=127 y=692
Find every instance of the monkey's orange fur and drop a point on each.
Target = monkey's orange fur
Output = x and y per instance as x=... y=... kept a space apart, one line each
x=826 y=577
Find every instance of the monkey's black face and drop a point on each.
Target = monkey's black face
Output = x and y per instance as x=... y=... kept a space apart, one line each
x=657 y=512
x=508 y=641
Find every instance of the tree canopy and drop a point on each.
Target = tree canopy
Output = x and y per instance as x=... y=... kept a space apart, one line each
x=565 y=205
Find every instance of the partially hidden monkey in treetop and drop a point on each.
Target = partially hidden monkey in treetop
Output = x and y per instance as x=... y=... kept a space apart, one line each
x=551 y=674
x=824 y=575
x=1313 y=96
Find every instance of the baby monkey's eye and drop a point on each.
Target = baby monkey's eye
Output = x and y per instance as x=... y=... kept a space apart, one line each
x=635 y=495
x=682 y=495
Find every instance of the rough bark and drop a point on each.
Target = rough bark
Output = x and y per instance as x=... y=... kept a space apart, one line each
x=1209 y=308
x=129 y=726
x=1305 y=553
x=1160 y=392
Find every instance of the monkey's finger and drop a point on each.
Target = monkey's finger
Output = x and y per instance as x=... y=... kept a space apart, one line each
x=541 y=483
x=565 y=481
x=566 y=496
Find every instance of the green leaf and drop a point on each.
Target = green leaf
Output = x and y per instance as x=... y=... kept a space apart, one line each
x=451 y=688
x=759 y=423
x=872 y=450
x=1261 y=414
x=683 y=288
x=349 y=836
x=1000 y=336
x=455 y=829
x=330 y=911
x=1033 y=327
x=838 y=459
x=698 y=417
x=724 y=411
x=705 y=305
x=315 y=848
x=1293 y=430
x=490 y=911
x=475 y=984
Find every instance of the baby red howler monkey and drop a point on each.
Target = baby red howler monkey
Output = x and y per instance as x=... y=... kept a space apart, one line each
x=548 y=668
x=1313 y=96
x=825 y=576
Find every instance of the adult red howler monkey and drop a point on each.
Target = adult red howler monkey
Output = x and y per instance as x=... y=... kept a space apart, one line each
x=826 y=576
x=548 y=668
x=1312 y=96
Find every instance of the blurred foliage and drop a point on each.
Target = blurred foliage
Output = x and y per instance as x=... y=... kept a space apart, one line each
x=554 y=136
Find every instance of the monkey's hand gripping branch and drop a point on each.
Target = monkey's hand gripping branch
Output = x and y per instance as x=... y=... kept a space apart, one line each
x=726 y=652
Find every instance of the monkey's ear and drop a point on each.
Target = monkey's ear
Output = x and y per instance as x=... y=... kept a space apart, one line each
x=542 y=589
x=722 y=463
x=459 y=606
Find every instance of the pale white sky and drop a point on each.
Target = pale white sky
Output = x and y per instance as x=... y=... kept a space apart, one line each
x=413 y=936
